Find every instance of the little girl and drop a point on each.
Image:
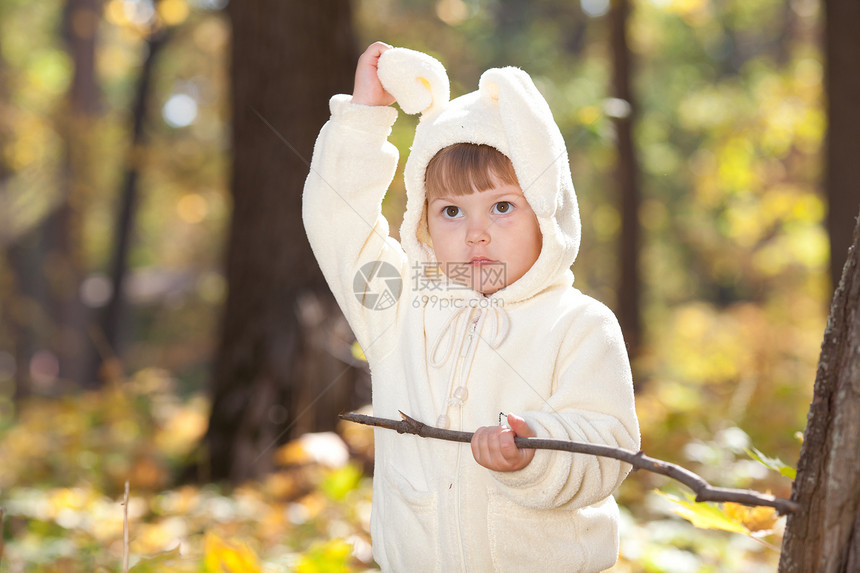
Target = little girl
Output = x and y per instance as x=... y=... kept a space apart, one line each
x=487 y=322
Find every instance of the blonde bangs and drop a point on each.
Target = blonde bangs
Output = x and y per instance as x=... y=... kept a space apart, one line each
x=463 y=168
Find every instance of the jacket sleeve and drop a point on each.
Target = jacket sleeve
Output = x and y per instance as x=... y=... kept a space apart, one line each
x=592 y=402
x=353 y=164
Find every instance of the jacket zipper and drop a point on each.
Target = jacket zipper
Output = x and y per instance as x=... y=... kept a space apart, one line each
x=473 y=327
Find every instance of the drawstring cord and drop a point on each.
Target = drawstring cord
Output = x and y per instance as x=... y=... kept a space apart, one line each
x=475 y=324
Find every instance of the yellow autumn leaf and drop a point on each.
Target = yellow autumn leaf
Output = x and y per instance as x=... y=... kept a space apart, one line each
x=228 y=557
x=589 y=115
x=292 y=453
x=754 y=518
x=313 y=504
x=357 y=352
x=280 y=485
x=705 y=515
x=330 y=557
x=165 y=561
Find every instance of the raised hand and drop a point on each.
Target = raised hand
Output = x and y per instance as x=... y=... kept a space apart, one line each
x=367 y=89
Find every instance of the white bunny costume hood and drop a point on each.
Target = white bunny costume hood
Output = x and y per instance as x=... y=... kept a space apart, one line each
x=449 y=356
x=507 y=112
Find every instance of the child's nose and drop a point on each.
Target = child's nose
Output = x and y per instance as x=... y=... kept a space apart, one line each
x=478 y=232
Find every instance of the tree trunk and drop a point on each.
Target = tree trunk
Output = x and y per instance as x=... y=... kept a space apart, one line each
x=273 y=377
x=842 y=83
x=62 y=229
x=18 y=312
x=108 y=336
x=627 y=175
x=12 y=328
x=825 y=535
x=45 y=262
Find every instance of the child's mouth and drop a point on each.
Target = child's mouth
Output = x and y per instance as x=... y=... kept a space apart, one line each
x=481 y=261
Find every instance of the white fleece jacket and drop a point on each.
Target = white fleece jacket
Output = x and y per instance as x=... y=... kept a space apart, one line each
x=539 y=348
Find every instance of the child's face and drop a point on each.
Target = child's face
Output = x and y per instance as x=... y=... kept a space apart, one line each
x=485 y=240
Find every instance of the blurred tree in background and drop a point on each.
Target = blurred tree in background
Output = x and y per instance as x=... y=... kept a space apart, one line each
x=842 y=86
x=627 y=169
x=723 y=122
x=275 y=376
x=81 y=92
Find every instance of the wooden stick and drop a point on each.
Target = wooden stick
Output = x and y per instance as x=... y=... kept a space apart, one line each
x=703 y=490
x=2 y=529
x=125 y=530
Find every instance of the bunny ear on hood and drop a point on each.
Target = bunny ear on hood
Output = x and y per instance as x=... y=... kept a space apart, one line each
x=507 y=112
x=417 y=81
x=536 y=148
x=535 y=145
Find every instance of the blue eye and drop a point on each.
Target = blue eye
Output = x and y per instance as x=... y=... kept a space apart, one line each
x=451 y=212
x=503 y=208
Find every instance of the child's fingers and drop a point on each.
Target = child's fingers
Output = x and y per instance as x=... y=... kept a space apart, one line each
x=507 y=447
x=517 y=458
x=494 y=448
x=368 y=89
x=520 y=426
x=481 y=450
x=485 y=447
x=375 y=50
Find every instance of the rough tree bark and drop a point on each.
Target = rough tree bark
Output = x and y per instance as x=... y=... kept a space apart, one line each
x=824 y=536
x=273 y=377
